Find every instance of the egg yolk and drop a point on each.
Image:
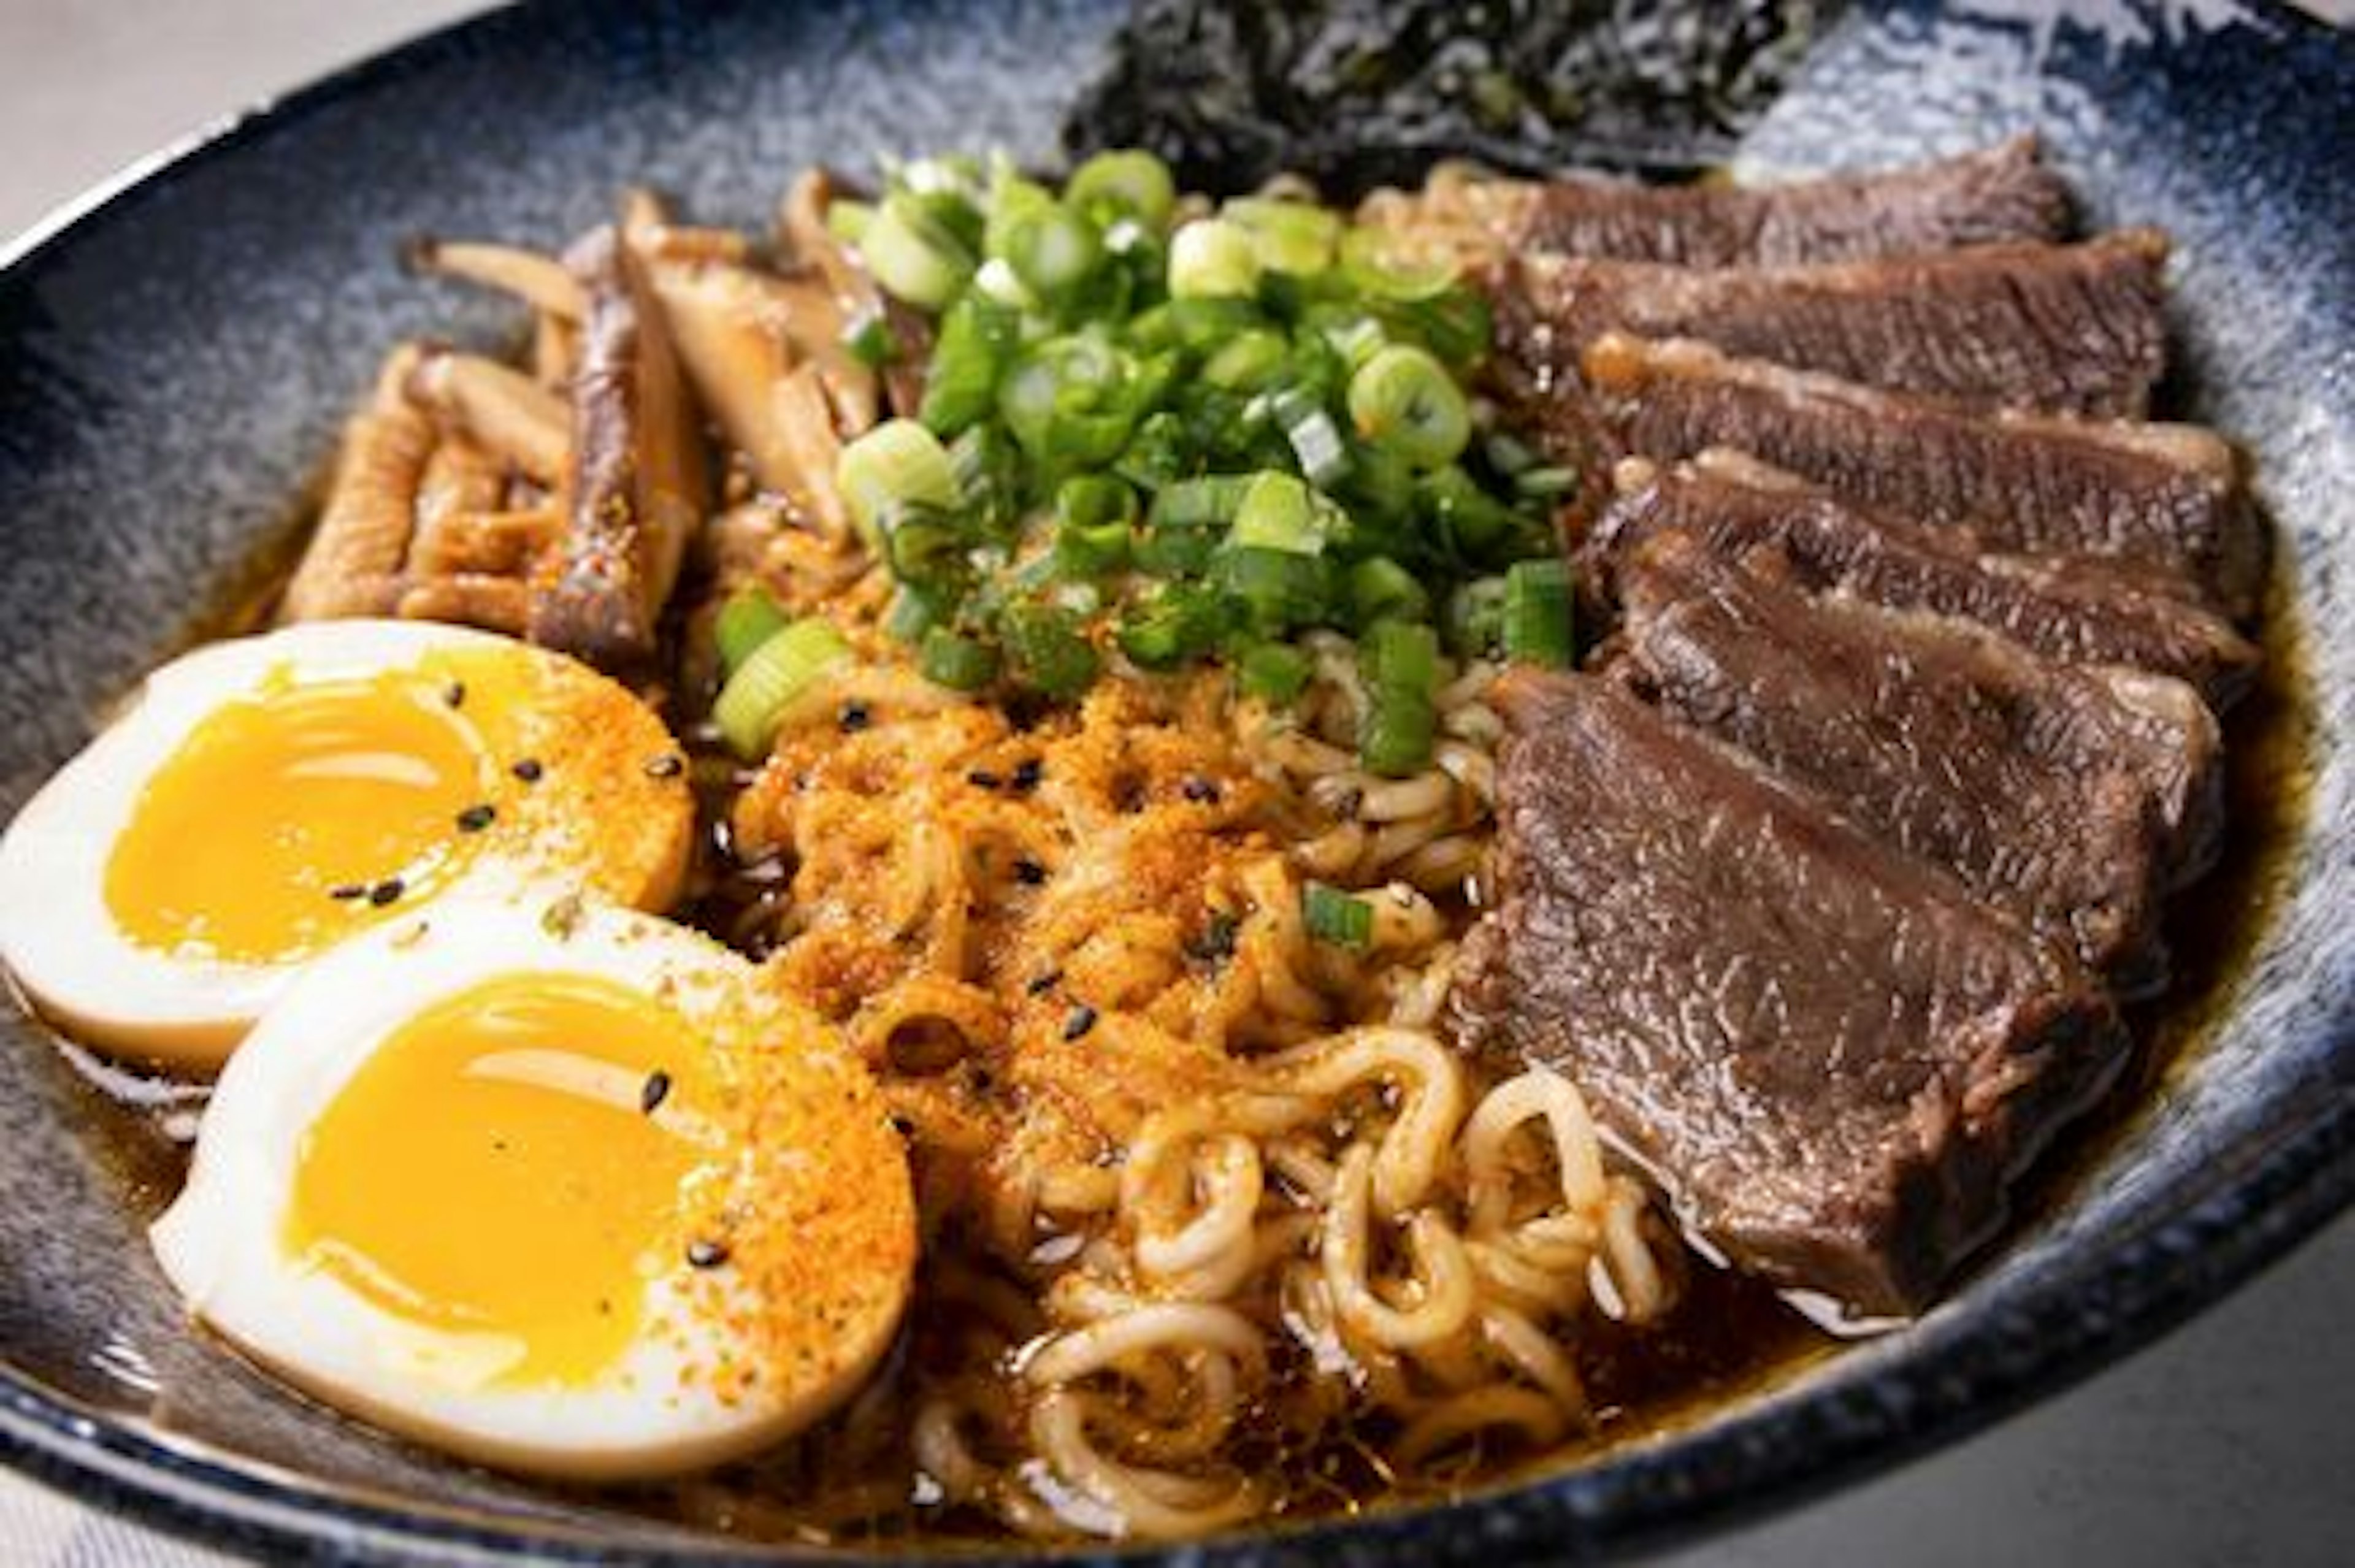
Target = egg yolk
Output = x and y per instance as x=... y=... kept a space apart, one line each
x=288 y=819
x=507 y=1170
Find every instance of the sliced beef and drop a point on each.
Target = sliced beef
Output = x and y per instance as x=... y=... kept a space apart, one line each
x=2064 y=328
x=1995 y=196
x=2075 y=609
x=2036 y=783
x=2166 y=495
x=1830 y=1053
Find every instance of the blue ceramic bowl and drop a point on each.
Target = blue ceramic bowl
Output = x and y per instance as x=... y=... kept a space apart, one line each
x=175 y=359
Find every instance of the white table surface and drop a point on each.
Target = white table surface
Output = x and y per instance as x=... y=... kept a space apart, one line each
x=2229 y=1442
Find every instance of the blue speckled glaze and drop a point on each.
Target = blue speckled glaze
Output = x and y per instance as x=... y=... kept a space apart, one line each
x=173 y=366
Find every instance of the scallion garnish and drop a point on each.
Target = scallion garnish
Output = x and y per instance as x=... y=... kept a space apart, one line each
x=786 y=666
x=1212 y=259
x=957 y=662
x=750 y=618
x=1405 y=399
x=1335 y=917
x=1399 y=661
x=1536 y=613
x=898 y=463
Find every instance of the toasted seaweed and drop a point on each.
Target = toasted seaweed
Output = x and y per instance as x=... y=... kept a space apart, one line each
x=1355 y=94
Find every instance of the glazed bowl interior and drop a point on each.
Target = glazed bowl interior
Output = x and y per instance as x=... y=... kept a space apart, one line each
x=175 y=363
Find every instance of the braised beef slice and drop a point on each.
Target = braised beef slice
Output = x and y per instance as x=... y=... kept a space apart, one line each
x=1831 y=1054
x=2166 y=495
x=2075 y=609
x=2065 y=328
x=1990 y=196
x=2035 y=783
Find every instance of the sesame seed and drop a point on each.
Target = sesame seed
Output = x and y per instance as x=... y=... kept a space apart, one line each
x=528 y=770
x=1082 y=1020
x=669 y=765
x=656 y=1090
x=1027 y=772
x=347 y=892
x=385 y=892
x=1200 y=789
x=706 y=1254
x=1040 y=984
x=982 y=778
x=454 y=694
x=477 y=817
x=1029 y=873
x=855 y=717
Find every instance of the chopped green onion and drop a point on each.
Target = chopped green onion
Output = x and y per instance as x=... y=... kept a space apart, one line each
x=1382 y=590
x=1053 y=250
x=897 y=464
x=1276 y=589
x=1274 y=672
x=1135 y=185
x=1278 y=513
x=1314 y=439
x=1048 y=649
x=1372 y=272
x=1454 y=323
x=1247 y=363
x=1545 y=484
x=913 y=255
x=1335 y=917
x=750 y=618
x=922 y=543
x=1536 y=613
x=1179 y=624
x=1475 y=618
x=1356 y=339
x=916 y=609
x=868 y=338
x=1210 y=258
x=978 y=335
x=1400 y=662
x=1476 y=522
x=1405 y=399
x=849 y=221
x=1093 y=513
x=1294 y=236
x=959 y=663
x=757 y=697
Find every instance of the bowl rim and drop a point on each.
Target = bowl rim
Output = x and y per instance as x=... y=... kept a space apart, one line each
x=1770 y=1452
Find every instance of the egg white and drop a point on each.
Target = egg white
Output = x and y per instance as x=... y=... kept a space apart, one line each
x=58 y=935
x=647 y=1416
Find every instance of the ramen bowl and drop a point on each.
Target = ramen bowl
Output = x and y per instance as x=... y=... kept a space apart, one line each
x=177 y=353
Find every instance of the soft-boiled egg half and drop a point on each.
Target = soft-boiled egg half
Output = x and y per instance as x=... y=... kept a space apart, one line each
x=265 y=798
x=561 y=1188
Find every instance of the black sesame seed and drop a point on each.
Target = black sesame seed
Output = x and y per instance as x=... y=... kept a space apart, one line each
x=706 y=1254
x=474 y=818
x=1040 y=984
x=903 y=1126
x=982 y=778
x=1027 y=772
x=1029 y=873
x=669 y=765
x=347 y=893
x=1082 y=1020
x=454 y=694
x=528 y=770
x=855 y=717
x=653 y=1092
x=385 y=892
x=1216 y=941
x=1197 y=788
